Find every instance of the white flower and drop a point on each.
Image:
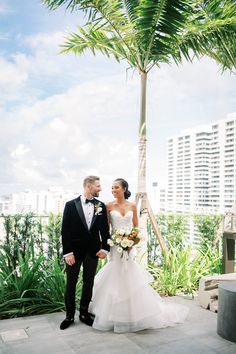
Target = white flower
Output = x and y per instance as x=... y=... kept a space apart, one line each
x=121 y=232
x=127 y=232
x=119 y=249
x=124 y=243
x=110 y=242
x=130 y=243
x=118 y=240
x=98 y=209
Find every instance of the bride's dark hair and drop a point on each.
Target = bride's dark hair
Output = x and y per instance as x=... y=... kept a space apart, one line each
x=125 y=185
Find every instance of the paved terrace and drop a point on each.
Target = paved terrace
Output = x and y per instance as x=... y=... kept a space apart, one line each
x=41 y=335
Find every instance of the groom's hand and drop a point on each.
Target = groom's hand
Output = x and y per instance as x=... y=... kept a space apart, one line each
x=70 y=260
x=101 y=254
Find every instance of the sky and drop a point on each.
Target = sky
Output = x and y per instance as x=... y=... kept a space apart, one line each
x=63 y=117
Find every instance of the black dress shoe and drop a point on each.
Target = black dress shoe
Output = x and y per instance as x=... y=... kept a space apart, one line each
x=66 y=323
x=86 y=319
x=91 y=315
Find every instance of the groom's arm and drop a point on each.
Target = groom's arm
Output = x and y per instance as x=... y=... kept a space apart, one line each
x=65 y=233
x=105 y=233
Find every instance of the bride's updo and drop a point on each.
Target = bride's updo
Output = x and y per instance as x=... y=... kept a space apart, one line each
x=125 y=186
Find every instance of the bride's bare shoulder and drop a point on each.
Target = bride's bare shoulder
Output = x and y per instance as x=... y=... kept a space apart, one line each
x=110 y=205
x=133 y=206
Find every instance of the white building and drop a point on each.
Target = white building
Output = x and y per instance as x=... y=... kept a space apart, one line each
x=39 y=203
x=157 y=198
x=202 y=168
x=5 y=201
x=162 y=200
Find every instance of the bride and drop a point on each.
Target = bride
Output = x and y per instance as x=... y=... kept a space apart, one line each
x=123 y=300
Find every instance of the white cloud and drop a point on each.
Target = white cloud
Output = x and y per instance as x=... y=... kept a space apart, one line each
x=43 y=40
x=57 y=125
x=20 y=151
x=13 y=76
x=46 y=61
x=36 y=70
x=45 y=49
x=72 y=117
x=85 y=130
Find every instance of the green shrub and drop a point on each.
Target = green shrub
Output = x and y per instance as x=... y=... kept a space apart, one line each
x=207 y=226
x=181 y=269
x=32 y=275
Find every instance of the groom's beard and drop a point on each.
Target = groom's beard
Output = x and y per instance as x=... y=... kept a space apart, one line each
x=95 y=194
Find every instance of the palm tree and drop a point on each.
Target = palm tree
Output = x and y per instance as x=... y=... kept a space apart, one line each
x=147 y=33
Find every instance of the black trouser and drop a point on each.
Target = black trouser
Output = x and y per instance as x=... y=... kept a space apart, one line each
x=72 y=273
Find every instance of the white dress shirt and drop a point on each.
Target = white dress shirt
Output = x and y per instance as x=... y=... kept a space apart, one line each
x=88 y=209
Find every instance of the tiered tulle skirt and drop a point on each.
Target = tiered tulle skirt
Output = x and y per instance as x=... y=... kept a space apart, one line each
x=123 y=300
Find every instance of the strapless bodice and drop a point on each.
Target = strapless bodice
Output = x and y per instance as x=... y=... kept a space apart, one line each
x=119 y=221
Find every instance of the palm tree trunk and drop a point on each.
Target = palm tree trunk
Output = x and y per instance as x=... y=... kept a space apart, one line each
x=142 y=195
x=142 y=136
x=145 y=208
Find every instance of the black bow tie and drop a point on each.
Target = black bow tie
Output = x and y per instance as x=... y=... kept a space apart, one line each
x=93 y=201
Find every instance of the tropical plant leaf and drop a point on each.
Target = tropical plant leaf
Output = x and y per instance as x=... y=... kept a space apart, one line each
x=150 y=32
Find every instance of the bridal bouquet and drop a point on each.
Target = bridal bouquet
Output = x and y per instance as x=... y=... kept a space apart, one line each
x=124 y=239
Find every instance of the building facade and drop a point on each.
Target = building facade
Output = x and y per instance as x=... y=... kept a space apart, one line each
x=202 y=168
x=38 y=203
x=201 y=171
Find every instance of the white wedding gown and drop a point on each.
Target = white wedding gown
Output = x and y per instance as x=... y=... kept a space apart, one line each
x=123 y=300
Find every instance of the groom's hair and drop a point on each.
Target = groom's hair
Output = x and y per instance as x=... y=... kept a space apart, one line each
x=90 y=179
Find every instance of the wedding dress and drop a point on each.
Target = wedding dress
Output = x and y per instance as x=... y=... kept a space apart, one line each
x=123 y=300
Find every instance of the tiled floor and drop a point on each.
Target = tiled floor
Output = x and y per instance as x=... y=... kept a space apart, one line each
x=41 y=335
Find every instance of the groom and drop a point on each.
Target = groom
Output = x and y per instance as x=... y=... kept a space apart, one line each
x=85 y=231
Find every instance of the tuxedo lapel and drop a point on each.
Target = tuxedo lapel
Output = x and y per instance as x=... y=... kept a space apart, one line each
x=80 y=212
x=93 y=220
x=97 y=203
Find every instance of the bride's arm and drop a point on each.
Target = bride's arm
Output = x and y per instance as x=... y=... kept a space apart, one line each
x=135 y=222
x=135 y=215
x=108 y=206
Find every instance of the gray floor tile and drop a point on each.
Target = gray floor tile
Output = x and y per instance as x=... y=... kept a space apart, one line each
x=39 y=347
x=213 y=341
x=197 y=335
x=188 y=346
x=114 y=346
x=13 y=335
x=146 y=339
x=229 y=348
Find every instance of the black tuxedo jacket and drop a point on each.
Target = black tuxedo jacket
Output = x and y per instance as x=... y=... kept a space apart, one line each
x=76 y=237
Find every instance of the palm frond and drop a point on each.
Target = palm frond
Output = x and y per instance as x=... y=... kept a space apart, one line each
x=212 y=33
x=131 y=7
x=112 y=17
x=54 y=4
x=157 y=25
x=93 y=39
x=150 y=32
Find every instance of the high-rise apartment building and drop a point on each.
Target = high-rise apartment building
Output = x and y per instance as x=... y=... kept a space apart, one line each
x=202 y=168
